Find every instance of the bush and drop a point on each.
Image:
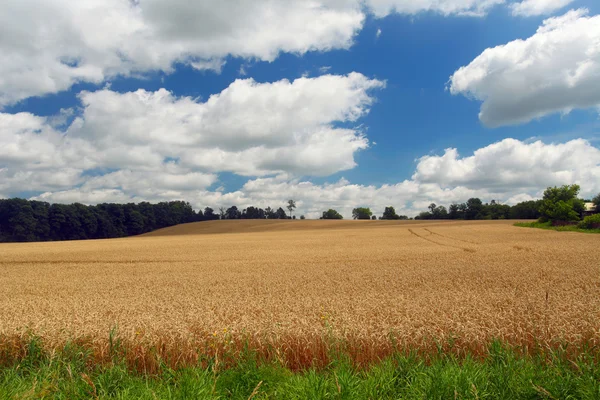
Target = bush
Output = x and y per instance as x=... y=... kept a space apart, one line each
x=591 y=222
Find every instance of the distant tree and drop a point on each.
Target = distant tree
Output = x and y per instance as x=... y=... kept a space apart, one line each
x=233 y=213
x=209 y=214
x=291 y=206
x=302 y=217
x=269 y=213
x=526 y=210
x=403 y=217
x=362 y=213
x=280 y=214
x=453 y=212
x=432 y=208
x=495 y=210
x=331 y=214
x=596 y=201
x=424 y=215
x=374 y=217
x=474 y=208
x=222 y=213
x=561 y=204
x=253 y=213
x=389 y=213
x=439 y=212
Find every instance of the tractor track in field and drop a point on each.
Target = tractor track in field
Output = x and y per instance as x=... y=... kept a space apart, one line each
x=467 y=249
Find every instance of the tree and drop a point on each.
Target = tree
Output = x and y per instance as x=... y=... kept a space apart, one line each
x=432 y=208
x=269 y=213
x=280 y=214
x=362 y=213
x=561 y=204
x=331 y=214
x=374 y=217
x=596 y=201
x=209 y=214
x=233 y=213
x=302 y=217
x=389 y=213
x=222 y=213
x=439 y=212
x=474 y=208
x=526 y=210
x=424 y=215
x=253 y=213
x=291 y=206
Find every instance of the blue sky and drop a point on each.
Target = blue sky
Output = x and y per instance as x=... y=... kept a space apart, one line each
x=416 y=105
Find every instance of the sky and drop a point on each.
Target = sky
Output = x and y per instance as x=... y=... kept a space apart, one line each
x=333 y=103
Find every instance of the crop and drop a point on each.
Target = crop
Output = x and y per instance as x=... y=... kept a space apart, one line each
x=297 y=291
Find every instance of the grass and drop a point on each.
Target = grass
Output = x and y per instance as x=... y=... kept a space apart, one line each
x=548 y=225
x=502 y=374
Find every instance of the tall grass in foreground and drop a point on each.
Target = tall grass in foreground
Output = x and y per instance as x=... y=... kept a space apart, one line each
x=504 y=373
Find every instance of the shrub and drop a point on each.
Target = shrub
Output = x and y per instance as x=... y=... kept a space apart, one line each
x=591 y=222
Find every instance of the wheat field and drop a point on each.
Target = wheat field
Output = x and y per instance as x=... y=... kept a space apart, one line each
x=289 y=289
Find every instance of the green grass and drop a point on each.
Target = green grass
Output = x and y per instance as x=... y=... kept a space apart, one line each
x=548 y=225
x=502 y=374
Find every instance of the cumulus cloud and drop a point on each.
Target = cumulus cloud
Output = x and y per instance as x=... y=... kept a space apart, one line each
x=492 y=172
x=512 y=165
x=46 y=46
x=529 y=8
x=249 y=128
x=381 y=8
x=554 y=71
x=148 y=140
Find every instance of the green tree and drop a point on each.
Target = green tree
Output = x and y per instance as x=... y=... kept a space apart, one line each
x=596 y=201
x=390 y=213
x=331 y=214
x=474 y=209
x=209 y=214
x=432 y=208
x=291 y=206
x=233 y=213
x=280 y=214
x=362 y=213
x=526 y=210
x=561 y=204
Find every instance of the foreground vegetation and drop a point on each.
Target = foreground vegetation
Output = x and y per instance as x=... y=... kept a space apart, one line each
x=503 y=373
x=561 y=228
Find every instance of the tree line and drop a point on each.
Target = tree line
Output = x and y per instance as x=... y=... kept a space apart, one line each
x=29 y=220
x=32 y=221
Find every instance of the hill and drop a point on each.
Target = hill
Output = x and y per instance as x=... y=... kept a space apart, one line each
x=277 y=225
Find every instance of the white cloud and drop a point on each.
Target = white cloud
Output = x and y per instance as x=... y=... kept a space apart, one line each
x=46 y=46
x=490 y=173
x=378 y=33
x=155 y=140
x=512 y=165
x=249 y=128
x=381 y=8
x=529 y=8
x=555 y=70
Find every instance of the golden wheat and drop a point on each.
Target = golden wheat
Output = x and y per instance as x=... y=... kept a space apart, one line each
x=287 y=288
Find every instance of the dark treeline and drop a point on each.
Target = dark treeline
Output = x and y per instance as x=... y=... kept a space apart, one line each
x=474 y=208
x=28 y=221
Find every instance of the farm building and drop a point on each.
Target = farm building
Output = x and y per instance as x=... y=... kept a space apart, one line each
x=589 y=209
